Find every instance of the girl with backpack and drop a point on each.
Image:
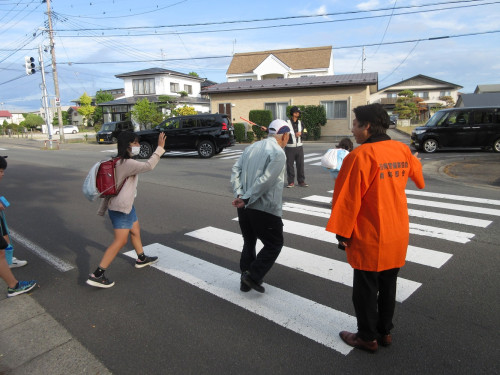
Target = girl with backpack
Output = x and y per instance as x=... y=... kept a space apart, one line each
x=121 y=208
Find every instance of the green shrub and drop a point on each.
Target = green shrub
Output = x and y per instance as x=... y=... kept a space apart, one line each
x=239 y=132
x=250 y=136
x=262 y=117
x=313 y=117
x=97 y=127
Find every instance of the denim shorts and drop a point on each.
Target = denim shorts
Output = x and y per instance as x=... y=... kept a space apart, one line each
x=122 y=220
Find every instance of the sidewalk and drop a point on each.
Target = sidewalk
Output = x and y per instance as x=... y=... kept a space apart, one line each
x=32 y=342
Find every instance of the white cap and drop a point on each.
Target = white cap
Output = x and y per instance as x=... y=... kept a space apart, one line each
x=278 y=127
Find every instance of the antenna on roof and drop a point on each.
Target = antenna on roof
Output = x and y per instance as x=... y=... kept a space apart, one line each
x=363 y=58
x=234 y=44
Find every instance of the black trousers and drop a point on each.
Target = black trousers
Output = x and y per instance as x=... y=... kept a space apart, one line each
x=295 y=155
x=268 y=228
x=374 y=299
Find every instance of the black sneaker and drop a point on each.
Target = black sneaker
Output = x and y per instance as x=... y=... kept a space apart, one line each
x=246 y=279
x=146 y=262
x=244 y=287
x=100 y=282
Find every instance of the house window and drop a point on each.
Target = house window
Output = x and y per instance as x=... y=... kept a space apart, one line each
x=174 y=87
x=144 y=86
x=392 y=95
x=278 y=110
x=244 y=79
x=335 y=109
x=422 y=94
x=445 y=93
x=188 y=89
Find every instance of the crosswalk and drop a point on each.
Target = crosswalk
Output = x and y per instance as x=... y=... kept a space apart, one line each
x=307 y=317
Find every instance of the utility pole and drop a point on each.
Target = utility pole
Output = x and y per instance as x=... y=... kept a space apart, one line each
x=45 y=99
x=363 y=58
x=54 y=73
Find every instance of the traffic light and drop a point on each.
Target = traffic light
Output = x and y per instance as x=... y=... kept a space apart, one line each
x=29 y=63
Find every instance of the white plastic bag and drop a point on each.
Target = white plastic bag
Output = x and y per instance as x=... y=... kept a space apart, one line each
x=329 y=159
x=89 y=187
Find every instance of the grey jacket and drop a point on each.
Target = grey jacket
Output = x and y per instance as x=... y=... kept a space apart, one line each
x=258 y=176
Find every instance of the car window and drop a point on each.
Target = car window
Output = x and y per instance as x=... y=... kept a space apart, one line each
x=189 y=123
x=485 y=117
x=108 y=127
x=169 y=124
x=458 y=118
x=437 y=119
x=206 y=122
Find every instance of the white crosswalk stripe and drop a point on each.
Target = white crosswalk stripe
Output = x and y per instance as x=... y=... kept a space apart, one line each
x=309 y=318
x=298 y=314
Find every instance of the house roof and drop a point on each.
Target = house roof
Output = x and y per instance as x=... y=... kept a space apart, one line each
x=154 y=99
x=157 y=71
x=5 y=114
x=295 y=83
x=479 y=100
x=296 y=58
x=421 y=76
x=487 y=88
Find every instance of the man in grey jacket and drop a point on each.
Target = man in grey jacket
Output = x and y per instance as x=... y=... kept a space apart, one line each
x=257 y=179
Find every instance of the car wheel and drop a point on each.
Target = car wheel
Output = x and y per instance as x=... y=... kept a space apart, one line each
x=430 y=145
x=73 y=132
x=206 y=149
x=496 y=145
x=114 y=140
x=146 y=150
x=56 y=133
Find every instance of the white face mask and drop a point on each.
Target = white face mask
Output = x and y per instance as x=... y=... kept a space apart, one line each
x=135 y=150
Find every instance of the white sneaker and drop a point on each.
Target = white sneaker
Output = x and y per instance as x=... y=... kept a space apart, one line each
x=17 y=263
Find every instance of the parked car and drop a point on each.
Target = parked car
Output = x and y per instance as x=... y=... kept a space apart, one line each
x=110 y=130
x=477 y=127
x=208 y=134
x=393 y=121
x=67 y=129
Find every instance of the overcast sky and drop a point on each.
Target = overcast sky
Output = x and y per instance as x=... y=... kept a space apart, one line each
x=203 y=34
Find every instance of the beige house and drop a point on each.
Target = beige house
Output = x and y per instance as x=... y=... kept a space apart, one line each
x=339 y=94
x=428 y=88
x=283 y=63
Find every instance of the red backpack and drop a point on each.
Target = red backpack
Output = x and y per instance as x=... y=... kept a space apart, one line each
x=106 y=180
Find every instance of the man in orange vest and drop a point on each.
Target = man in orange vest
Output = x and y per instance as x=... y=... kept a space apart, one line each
x=370 y=218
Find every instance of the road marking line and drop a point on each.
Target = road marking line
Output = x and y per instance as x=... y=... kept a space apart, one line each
x=456 y=207
x=414 y=254
x=59 y=264
x=453 y=197
x=231 y=157
x=312 y=159
x=422 y=214
x=300 y=315
x=316 y=265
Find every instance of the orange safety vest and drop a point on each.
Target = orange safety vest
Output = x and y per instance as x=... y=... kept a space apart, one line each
x=369 y=204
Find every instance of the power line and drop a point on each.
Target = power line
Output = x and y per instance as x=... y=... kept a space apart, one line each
x=341 y=47
x=277 y=26
x=272 y=19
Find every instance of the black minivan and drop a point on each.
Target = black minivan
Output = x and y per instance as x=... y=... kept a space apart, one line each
x=473 y=127
x=110 y=130
x=207 y=133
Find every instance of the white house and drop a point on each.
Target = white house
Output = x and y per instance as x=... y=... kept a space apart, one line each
x=151 y=84
x=283 y=63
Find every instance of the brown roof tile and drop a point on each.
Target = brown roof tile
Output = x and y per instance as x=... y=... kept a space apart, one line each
x=295 y=58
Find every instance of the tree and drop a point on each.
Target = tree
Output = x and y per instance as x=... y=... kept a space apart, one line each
x=32 y=121
x=194 y=74
x=86 y=109
x=405 y=108
x=450 y=103
x=65 y=116
x=168 y=103
x=146 y=114
x=100 y=97
x=184 y=111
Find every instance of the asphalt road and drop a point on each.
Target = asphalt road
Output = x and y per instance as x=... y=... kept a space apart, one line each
x=187 y=316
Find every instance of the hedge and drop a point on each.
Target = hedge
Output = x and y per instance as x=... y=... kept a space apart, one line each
x=239 y=132
x=262 y=117
x=313 y=117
